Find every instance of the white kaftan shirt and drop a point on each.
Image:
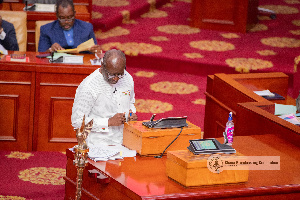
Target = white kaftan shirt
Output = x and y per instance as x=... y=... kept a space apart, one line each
x=99 y=100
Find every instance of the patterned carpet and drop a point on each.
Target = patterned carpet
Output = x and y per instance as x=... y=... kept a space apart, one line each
x=169 y=62
x=161 y=39
x=32 y=175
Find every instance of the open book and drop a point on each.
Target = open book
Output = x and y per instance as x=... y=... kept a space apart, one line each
x=85 y=46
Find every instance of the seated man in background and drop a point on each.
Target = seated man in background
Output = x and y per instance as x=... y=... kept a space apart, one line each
x=104 y=97
x=66 y=32
x=8 y=39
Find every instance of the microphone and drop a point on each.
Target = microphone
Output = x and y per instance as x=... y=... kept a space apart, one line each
x=151 y=119
x=115 y=90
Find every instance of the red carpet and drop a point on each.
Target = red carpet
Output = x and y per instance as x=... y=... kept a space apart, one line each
x=163 y=40
x=32 y=175
x=169 y=95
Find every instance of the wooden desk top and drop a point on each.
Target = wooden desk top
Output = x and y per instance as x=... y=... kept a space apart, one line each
x=146 y=176
x=43 y=64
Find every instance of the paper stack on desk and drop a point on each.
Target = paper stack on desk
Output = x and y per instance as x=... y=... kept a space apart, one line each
x=104 y=153
x=264 y=93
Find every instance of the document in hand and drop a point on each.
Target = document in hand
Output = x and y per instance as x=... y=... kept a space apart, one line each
x=85 y=46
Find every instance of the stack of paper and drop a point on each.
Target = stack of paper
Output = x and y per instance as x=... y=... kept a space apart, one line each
x=264 y=93
x=104 y=153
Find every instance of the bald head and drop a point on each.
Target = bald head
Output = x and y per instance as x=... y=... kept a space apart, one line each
x=114 y=62
x=114 y=56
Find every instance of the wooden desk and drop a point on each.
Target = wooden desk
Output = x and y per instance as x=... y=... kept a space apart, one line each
x=225 y=91
x=224 y=15
x=36 y=101
x=83 y=12
x=145 y=177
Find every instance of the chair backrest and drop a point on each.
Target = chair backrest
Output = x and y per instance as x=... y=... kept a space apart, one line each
x=38 y=25
x=19 y=20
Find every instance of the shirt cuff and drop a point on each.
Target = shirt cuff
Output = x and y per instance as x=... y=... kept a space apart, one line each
x=100 y=125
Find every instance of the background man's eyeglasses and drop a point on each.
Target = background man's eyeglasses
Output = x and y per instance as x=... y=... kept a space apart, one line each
x=66 y=20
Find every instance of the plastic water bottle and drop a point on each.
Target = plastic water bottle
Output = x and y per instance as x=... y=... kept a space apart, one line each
x=229 y=129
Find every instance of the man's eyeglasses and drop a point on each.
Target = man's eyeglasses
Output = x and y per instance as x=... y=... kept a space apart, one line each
x=66 y=20
x=110 y=76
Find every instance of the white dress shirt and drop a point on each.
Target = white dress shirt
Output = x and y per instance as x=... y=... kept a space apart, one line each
x=2 y=37
x=98 y=100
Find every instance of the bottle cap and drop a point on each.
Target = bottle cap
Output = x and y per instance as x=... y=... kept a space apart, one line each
x=230 y=116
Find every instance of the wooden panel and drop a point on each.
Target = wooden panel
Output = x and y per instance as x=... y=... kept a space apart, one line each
x=251 y=119
x=60 y=129
x=55 y=97
x=216 y=115
x=49 y=134
x=219 y=11
x=5 y=6
x=15 y=101
x=226 y=91
x=224 y=15
x=8 y=117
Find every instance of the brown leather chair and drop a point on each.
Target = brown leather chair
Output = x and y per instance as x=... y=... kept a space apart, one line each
x=19 y=20
x=38 y=25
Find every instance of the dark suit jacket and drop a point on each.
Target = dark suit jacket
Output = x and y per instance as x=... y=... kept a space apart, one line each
x=53 y=33
x=10 y=41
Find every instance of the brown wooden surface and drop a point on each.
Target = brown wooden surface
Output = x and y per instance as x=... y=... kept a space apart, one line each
x=83 y=12
x=224 y=15
x=154 y=141
x=225 y=91
x=191 y=170
x=251 y=119
x=146 y=178
x=38 y=97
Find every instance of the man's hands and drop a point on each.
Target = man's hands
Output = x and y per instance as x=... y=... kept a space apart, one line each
x=119 y=118
x=132 y=116
x=55 y=47
x=95 y=49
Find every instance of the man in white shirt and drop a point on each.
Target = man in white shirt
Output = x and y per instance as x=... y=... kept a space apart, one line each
x=107 y=97
x=8 y=39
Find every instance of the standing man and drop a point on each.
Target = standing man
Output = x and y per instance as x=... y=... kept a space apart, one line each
x=66 y=32
x=107 y=97
x=8 y=39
